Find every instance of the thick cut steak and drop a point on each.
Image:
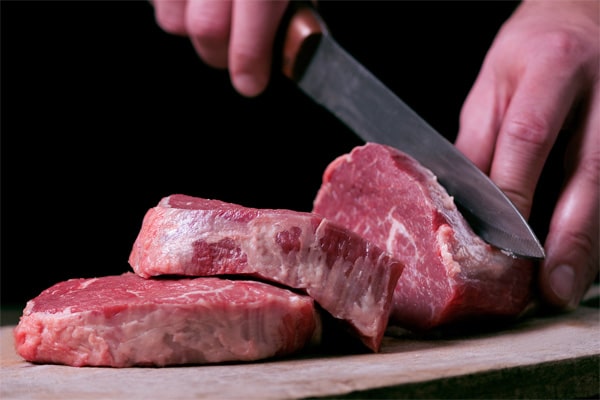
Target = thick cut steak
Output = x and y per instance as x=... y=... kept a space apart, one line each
x=351 y=278
x=126 y=320
x=450 y=273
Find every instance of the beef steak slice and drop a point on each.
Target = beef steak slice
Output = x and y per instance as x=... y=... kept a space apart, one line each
x=450 y=273
x=126 y=320
x=350 y=278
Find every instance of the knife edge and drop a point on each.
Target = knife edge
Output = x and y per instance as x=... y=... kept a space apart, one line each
x=335 y=80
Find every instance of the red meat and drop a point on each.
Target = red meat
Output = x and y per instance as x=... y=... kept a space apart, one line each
x=450 y=273
x=126 y=320
x=349 y=277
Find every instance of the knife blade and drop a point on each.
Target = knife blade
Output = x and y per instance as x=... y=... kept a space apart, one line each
x=329 y=75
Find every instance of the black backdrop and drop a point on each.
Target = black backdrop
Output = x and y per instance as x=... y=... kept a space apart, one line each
x=103 y=114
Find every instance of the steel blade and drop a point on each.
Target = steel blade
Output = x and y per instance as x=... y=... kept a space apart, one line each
x=335 y=80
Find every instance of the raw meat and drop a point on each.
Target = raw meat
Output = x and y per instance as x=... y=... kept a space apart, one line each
x=349 y=277
x=450 y=273
x=126 y=320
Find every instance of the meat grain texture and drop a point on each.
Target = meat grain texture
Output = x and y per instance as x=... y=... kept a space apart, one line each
x=384 y=243
x=351 y=278
x=126 y=320
x=450 y=273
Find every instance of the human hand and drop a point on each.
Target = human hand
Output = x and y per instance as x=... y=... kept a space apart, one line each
x=540 y=79
x=233 y=34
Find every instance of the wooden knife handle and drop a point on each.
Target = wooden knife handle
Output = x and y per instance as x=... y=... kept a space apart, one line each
x=301 y=37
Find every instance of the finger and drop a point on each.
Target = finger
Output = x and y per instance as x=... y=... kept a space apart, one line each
x=251 y=47
x=572 y=247
x=170 y=15
x=208 y=24
x=481 y=117
x=535 y=115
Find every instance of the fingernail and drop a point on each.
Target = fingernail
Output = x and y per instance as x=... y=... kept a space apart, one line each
x=562 y=281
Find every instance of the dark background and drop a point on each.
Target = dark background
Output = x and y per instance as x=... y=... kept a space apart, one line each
x=103 y=114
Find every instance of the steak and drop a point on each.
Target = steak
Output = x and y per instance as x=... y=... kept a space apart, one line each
x=351 y=278
x=126 y=320
x=450 y=273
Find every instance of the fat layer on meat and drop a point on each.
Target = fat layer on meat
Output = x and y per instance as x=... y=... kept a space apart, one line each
x=350 y=277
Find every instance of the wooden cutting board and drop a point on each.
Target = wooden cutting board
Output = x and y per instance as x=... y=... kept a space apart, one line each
x=538 y=357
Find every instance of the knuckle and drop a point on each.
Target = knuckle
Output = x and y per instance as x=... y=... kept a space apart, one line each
x=563 y=47
x=169 y=16
x=209 y=30
x=585 y=164
x=582 y=242
x=170 y=23
x=249 y=58
x=528 y=129
x=245 y=61
x=571 y=53
x=589 y=170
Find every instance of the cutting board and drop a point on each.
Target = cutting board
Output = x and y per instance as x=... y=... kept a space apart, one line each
x=554 y=356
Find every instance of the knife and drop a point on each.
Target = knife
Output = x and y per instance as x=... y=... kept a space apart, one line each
x=334 y=79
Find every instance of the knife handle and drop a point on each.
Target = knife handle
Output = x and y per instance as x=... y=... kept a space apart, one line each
x=302 y=35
